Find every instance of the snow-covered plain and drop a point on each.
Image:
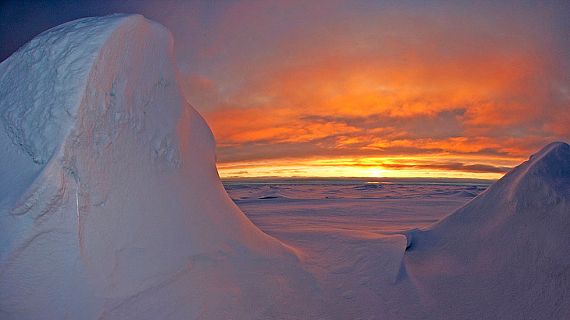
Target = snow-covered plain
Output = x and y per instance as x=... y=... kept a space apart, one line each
x=279 y=207
x=111 y=208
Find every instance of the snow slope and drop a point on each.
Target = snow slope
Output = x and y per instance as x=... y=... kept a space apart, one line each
x=504 y=255
x=110 y=203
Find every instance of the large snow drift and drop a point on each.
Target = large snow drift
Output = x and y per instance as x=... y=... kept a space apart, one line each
x=109 y=189
x=506 y=254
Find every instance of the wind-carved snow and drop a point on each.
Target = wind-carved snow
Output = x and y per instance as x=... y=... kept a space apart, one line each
x=111 y=208
x=507 y=252
x=56 y=65
x=111 y=194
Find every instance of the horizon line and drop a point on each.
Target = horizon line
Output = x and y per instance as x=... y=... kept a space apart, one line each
x=355 y=179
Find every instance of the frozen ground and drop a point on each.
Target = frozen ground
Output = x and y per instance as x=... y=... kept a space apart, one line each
x=281 y=208
x=348 y=236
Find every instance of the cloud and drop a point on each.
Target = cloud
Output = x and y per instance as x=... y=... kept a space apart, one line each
x=401 y=81
x=473 y=87
x=456 y=166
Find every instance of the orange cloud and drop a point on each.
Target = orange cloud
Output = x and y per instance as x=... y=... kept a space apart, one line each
x=396 y=82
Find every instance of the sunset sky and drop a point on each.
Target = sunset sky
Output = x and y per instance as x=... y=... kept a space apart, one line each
x=358 y=88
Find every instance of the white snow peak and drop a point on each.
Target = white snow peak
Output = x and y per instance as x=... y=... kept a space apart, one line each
x=109 y=186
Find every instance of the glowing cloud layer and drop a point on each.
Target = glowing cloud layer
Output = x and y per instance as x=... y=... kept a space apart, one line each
x=369 y=88
x=408 y=91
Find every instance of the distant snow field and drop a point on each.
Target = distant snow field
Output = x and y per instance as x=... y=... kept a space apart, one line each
x=279 y=208
x=111 y=208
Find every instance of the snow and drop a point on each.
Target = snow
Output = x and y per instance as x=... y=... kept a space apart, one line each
x=347 y=236
x=358 y=205
x=509 y=245
x=110 y=190
x=111 y=208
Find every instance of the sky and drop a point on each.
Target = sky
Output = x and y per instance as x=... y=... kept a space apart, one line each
x=357 y=88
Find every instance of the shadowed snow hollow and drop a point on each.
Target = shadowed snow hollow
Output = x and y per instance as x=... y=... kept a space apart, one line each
x=111 y=206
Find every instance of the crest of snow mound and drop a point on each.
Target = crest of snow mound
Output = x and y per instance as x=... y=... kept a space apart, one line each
x=41 y=86
x=111 y=192
x=510 y=245
x=537 y=185
x=43 y=82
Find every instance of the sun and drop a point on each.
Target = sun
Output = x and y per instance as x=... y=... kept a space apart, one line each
x=375 y=172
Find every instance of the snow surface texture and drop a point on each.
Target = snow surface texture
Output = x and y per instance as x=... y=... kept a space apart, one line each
x=111 y=208
x=280 y=208
x=109 y=189
x=506 y=254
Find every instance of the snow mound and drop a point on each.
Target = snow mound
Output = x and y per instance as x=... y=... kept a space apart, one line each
x=506 y=254
x=110 y=204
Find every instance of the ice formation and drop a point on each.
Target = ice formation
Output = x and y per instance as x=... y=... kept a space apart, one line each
x=109 y=188
x=111 y=208
x=506 y=254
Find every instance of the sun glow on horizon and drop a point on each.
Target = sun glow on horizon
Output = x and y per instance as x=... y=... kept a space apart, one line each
x=376 y=172
x=395 y=167
x=391 y=92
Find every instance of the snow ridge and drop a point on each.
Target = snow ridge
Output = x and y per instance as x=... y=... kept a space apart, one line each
x=111 y=190
x=510 y=241
x=58 y=56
